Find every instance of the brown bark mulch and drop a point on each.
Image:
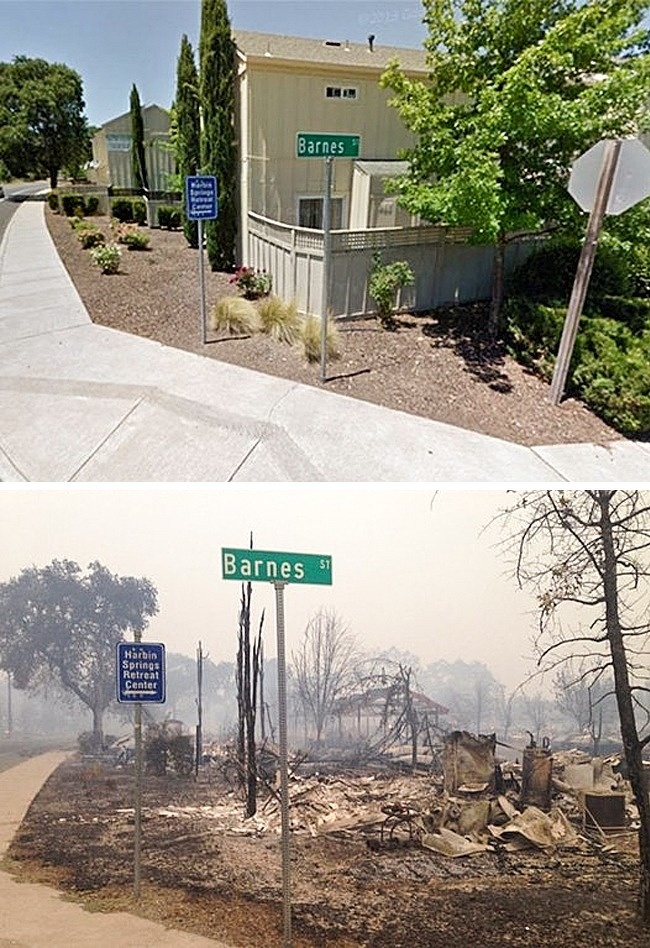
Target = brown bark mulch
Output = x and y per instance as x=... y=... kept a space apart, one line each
x=440 y=365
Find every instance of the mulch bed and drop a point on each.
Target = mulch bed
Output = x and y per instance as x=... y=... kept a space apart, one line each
x=440 y=365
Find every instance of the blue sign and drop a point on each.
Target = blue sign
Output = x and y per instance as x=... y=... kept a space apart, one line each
x=141 y=672
x=201 y=197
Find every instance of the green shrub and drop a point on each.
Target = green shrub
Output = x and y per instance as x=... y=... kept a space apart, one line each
x=90 y=237
x=107 y=258
x=634 y=312
x=122 y=209
x=234 y=315
x=612 y=374
x=72 y=204
x=386 y=279
x=77 y=204
x=131 y=236
x=53 y=201
x=92 y=204
x=548 y=273
x=139 y=211
x=169 y=217
x=253 y=283
x=129 y=210
x=279 y=320
x=610 y=366
x=310 y=335
x=533 y=332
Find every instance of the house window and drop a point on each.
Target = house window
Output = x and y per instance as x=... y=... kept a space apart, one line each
x=340 y=92
x=310 y=213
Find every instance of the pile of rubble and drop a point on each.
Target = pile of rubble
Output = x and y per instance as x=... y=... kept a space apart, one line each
x=478 y=803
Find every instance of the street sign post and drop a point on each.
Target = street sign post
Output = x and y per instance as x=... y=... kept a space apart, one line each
x=609 y=178
x=327 y=145
x=280 y=569
x=201 y=204
x=140 y=676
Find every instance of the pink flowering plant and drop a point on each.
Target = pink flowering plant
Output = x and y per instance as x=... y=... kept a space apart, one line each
x=253 y=283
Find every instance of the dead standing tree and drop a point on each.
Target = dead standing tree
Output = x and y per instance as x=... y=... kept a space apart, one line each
x=588 y=550
x=323 y=666
x=248 y=675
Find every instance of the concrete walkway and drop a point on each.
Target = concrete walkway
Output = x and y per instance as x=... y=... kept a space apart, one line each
x=35 y=916
x=79 y=402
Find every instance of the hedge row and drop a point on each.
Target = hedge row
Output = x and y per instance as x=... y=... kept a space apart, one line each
x=610 y=367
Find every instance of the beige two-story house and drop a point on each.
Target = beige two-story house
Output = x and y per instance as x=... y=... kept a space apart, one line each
x=289 y=84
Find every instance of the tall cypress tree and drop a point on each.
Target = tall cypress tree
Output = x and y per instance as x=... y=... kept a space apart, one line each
x=137 y=143
x=188 y=127
x=218 y=149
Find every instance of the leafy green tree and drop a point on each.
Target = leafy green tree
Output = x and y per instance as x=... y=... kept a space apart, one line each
x=187 y=137
x=218 y=150
x=138 y=158
x=517 y=89
x=59 y=627
x=42 y=125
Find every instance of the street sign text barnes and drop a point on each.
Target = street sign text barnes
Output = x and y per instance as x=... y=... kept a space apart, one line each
x=327 y=145
x=141 y=672
x=266 y=566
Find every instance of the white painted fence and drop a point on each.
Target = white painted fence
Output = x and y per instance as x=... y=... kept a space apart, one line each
x=447 y=268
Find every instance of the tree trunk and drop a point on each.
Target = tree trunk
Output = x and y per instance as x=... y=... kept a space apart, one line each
x=498 y=281
x=98 y=728
x=54 y=178
x=631 y=743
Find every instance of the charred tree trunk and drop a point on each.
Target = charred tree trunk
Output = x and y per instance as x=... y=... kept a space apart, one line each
x=249 y=670
x=632 y=744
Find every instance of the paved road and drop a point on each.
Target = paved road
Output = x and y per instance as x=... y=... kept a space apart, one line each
x=14 y=195
x=35 y=916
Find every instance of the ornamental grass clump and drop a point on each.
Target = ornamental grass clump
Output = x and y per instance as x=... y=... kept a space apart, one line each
x=310 y=336
x=107 y=258
x=234 y=315
x=279 y=320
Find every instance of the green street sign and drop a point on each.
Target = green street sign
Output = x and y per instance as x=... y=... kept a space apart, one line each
x=326 y=145
x=264 y=566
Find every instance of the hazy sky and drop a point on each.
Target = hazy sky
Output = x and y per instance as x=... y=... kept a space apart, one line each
x=411 y=566
x=115 y=43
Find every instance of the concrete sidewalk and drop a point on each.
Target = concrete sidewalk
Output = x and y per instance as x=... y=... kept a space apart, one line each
x=35 y=916
x=79 y=402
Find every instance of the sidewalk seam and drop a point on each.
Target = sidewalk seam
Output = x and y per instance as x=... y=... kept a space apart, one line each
x=107 y=438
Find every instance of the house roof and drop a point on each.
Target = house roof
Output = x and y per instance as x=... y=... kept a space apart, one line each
x=152 y=107
x=382 y=169
x=376 y=698
x=300 y=49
